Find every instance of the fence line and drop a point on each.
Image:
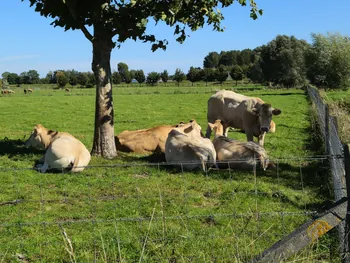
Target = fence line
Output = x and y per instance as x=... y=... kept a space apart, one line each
x=333 y=146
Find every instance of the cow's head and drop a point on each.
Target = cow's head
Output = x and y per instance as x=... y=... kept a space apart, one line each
x=35 y=139
x=217 y=127
x=192 y=129
x=265 y=112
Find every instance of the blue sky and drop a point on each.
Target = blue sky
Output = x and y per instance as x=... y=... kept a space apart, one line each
x=28 y=41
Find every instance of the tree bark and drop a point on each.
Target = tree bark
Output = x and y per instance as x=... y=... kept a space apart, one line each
x=104 y=141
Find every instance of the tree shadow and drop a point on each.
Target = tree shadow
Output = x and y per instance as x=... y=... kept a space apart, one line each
x=16 y=147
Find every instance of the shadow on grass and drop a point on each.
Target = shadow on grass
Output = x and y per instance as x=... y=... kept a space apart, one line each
x=15 y=148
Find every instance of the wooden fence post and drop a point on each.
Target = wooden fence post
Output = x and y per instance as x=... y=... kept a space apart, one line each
x=346 y=257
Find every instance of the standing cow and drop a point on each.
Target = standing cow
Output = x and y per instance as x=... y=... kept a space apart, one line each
x=251 y=115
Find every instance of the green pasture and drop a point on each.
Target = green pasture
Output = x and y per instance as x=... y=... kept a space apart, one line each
x=125 y=210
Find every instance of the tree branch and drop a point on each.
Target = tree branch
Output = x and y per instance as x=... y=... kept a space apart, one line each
x=74 y=15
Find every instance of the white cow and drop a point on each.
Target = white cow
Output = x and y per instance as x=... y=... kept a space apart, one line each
x=63 y=151
x=185 y=145
x=251 y=115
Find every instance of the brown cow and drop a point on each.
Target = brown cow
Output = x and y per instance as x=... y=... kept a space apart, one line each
x=144 y=141
x=67 y=90
x=236 y=154
x=252 y=116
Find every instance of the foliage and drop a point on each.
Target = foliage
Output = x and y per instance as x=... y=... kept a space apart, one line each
x=283 y=61
x=82 y=79
x=211 y=60
x=255 y=73
x=164 y=76
x=152 y=78
x=123 y=70
x=194 y=74
x=208 y=74
x=179 y=76
x=116 y=77
x=62 y=79
x=236 y=73
x=328 y=61
x=221 y=74
x=140 y=76
x=127 y=77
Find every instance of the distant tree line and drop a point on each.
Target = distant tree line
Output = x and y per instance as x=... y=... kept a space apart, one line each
x=285 y=61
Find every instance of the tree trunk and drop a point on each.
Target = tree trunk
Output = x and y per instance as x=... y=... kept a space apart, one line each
x=104 y=141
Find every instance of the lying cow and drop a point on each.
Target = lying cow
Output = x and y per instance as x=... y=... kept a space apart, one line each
x=63 y=151
x=251 y=116
x=236 y=154
x=185 y=145
x=150 y=140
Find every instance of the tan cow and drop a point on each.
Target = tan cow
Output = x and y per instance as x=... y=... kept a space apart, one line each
x=63 y=151
x=185 y=145
x=236 y=154
x=235 y=100
x=150 y=140
x=251 y=116
x=7 y=91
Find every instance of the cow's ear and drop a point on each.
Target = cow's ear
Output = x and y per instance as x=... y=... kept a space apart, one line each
x=276 y=111
x=211 y=125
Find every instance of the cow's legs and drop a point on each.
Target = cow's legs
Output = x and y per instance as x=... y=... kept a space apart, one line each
x=261 y=139
x=225 y=130
x=250 y=137
x=208 y=133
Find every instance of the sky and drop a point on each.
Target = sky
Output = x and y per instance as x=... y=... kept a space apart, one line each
x=28 y=41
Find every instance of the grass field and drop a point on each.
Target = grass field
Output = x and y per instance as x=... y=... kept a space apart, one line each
x=130 y=211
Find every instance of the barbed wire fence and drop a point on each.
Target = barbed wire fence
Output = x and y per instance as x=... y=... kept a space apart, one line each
x=334 y=147
x=155 y=213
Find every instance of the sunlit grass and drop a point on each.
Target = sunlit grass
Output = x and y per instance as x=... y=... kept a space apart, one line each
x=218 y=216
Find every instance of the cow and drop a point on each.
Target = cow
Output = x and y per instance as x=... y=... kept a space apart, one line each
x=63 y=150
x=28 y=91
x=251 y=115
x=185 y=145
x=67 y=90
x=236 y=154
x=7 y=91
x=144 y=141
x=236 y=99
